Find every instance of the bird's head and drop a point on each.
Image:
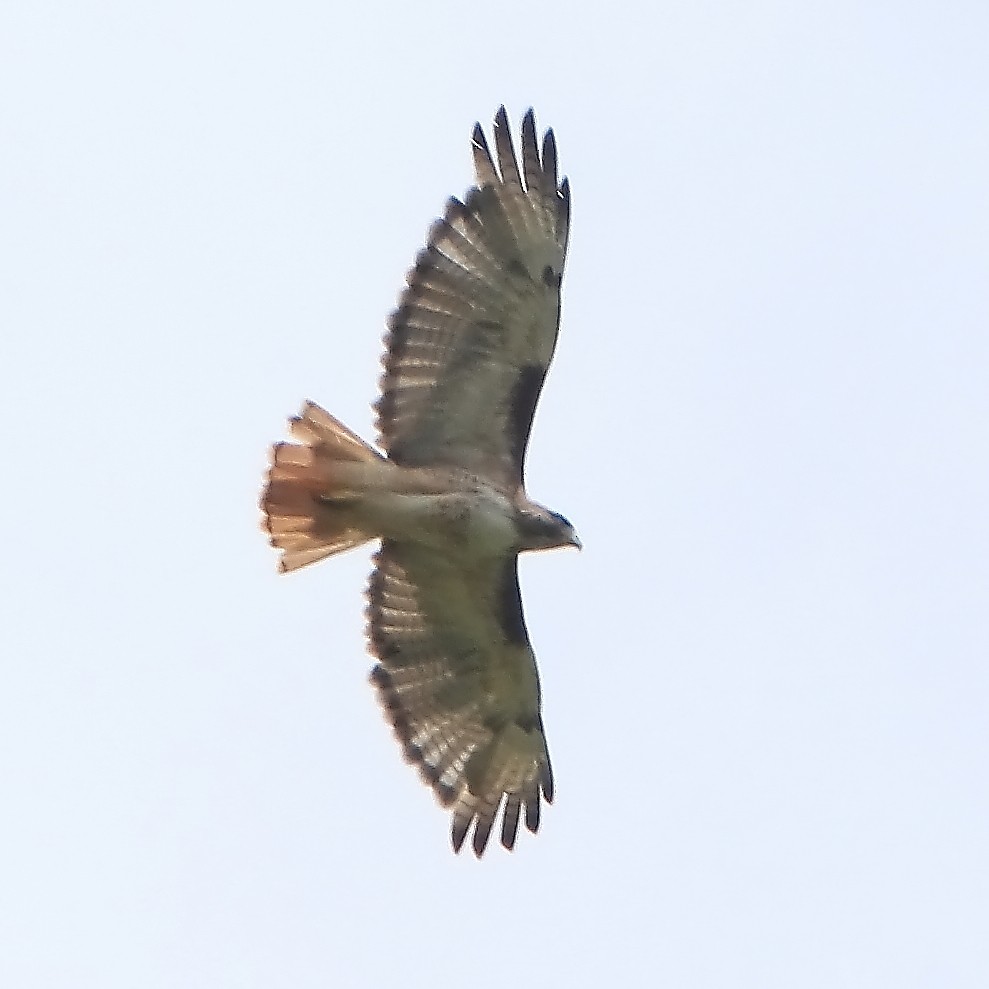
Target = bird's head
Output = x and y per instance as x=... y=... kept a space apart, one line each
x=540 y=528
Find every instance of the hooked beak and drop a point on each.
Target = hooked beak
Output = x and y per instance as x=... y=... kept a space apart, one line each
x=574 y=541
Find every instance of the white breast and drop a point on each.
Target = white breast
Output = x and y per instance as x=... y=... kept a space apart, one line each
x=477 y=519
x=490 y=523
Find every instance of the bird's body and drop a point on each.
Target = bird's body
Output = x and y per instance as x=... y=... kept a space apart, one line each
x=467 y=353
x=468 y=518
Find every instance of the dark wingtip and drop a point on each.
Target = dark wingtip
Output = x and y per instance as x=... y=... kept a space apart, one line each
x=547 y=781
x=563 y=207
x=549 y=157
x=510 y=821
x=482 y=831
x=458 y=832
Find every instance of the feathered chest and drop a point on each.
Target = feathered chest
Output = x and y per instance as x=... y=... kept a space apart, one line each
x=461 y=516
x=481 y=521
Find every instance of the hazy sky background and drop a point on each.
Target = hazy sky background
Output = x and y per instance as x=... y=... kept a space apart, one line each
x=766 y=680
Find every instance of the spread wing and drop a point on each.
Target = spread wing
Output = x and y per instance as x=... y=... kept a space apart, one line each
x=457 y=678
x=472 y=338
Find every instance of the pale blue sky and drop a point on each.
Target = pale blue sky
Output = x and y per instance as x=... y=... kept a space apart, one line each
x=765 y=678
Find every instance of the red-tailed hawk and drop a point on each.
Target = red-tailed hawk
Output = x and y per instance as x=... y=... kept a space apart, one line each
x=467 y=351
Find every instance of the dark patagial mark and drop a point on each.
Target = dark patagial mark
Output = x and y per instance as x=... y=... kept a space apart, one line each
x=522 y=407
x=550 y=278
x=510 y=604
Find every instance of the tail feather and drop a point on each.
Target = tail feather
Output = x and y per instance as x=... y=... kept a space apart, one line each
x=315 y=427
x=312 y=497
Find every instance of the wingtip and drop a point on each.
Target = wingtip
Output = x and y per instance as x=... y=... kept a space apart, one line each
x=563 y=206
x=549 y=147
x=482 y=831
x=458 y=832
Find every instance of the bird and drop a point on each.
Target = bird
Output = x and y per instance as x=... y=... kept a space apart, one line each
x=466 y=354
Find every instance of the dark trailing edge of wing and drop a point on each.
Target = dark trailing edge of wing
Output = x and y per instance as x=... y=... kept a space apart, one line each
x=390 y=662
x=382 y=679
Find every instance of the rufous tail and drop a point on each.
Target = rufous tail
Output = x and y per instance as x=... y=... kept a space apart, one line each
x=312 y=498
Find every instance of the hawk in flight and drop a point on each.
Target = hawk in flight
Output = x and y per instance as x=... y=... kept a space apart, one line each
x=467 y=350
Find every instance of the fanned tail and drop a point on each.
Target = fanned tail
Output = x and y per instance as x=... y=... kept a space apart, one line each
x=312 y=498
